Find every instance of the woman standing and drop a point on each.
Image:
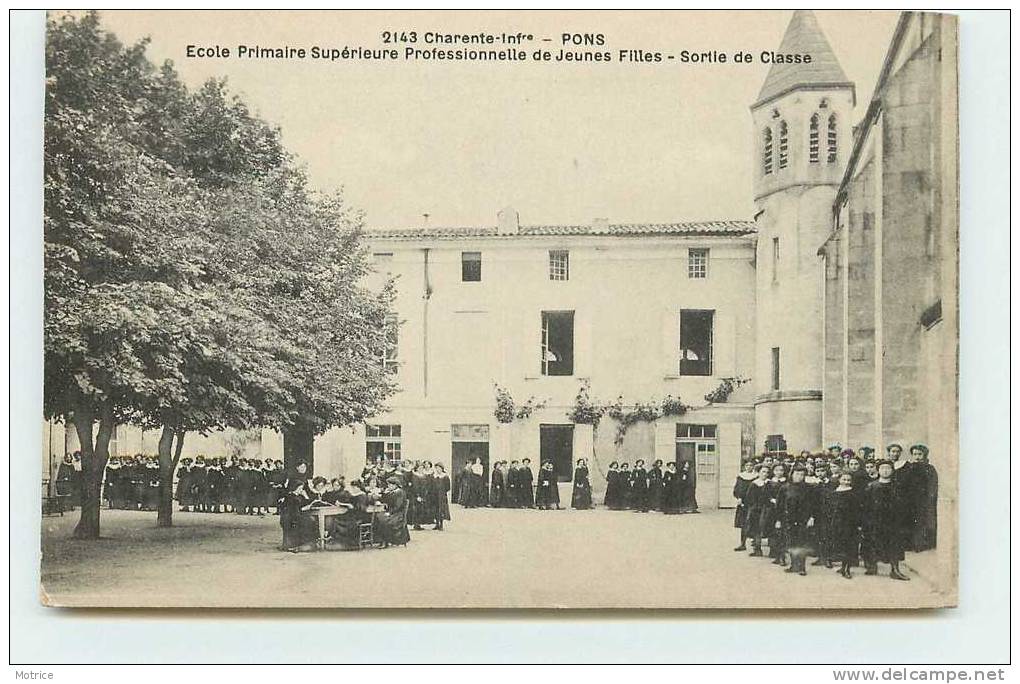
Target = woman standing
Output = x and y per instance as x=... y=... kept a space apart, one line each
x=755 y=498
x=688 y=500
x=671 y=490
x=744 y=479
x=639 y=487
x=439 y=488
x=547 y=493
x=655 y=486
x=497 y=490
x=612 y=486
x=883 y=536
x=581 y=496
x=843 y=519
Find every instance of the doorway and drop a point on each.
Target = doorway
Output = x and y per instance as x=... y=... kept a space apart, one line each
x=698 y=445
x=557 y=445
x=468 y=443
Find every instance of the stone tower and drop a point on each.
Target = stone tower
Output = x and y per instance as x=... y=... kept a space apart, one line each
x=802 y=139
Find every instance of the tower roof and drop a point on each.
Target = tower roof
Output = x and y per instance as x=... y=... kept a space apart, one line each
x=803 y=36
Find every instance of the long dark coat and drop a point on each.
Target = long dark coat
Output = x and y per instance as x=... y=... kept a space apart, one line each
x=497 y=490
x=580 y=497
x=842 y=522
x=548 y=492
x=655 y=493
x=391 y=525
x=671 y=494
x=639 y=489
x=755 y=500
x=883 y=513
x=739 y=493
x=919 y=483
x=438 y=488
x=527 y=489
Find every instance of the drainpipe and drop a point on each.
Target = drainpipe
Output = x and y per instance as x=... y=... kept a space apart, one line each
x=426 y=295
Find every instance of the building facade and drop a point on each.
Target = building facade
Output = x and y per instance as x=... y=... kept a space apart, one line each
x=835 y=306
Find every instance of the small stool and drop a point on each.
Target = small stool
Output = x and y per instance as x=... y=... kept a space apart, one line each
x=365 y=535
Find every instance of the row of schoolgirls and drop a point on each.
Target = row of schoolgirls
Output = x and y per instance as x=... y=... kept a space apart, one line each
x=843 y=507
x=247 y=486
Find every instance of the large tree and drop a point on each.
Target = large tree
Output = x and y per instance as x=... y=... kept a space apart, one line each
x=193 y=283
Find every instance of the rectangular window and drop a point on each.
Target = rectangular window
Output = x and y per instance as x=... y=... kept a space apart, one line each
x=471 y=267
x=559 y=264
x=696 y=342
x=775 y=444
x=557 y=343
x=775 y=368
x=697 y=263
x=775 y=259
x=382 y=443
x=390 y=330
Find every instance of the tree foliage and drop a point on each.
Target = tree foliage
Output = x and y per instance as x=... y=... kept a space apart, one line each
x=193 y=282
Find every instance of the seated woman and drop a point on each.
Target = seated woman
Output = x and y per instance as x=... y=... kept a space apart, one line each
x=344 y=528
x=391 y=524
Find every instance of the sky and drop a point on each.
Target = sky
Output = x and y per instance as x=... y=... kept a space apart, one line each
x=559 y=142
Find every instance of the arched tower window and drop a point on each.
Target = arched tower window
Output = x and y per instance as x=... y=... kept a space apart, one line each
x=784 y=145
x=766 y=154
x=813 y=140
x=832 y=140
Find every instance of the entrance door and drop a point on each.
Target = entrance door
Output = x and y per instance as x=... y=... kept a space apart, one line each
x=698 y=445
x=468 y=443
x=557 y=445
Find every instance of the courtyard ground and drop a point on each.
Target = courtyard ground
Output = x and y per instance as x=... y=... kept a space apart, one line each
x=485 y=558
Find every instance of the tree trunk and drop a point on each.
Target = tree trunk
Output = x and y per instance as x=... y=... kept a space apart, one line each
x=94 y=455
x=299 y=447
x=169 y=456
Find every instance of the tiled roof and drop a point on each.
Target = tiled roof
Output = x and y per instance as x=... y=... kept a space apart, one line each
x=733 y=228
x=803 y=36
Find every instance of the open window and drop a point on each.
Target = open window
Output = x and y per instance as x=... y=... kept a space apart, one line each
x=696 y=342
x=557 y=343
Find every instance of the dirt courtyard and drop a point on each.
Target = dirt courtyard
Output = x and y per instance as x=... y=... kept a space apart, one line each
x=484 y=558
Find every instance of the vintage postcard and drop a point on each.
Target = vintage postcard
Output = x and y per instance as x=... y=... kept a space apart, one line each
x=533 y=310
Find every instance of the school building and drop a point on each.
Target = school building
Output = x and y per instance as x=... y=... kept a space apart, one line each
x=835 y=302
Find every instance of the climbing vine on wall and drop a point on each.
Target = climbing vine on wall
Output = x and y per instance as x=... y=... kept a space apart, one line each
x=726 y=386
x=507 y=411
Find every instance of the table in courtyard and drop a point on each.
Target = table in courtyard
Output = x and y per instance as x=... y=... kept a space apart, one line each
x=324 y=512
x=321 y=514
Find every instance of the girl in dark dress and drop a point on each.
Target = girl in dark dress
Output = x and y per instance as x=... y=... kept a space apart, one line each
x=655 y=487
x=512 y=478
x=439 y=489
x=392 y=523
x=639 y=487
x=547 y=494
x=623 y=500
x=612 y=486
x=920 y=489
x=497 y=490
x=756 y=499
x=843 y=517
x=688 y=500
x=183 y=493
x=418 y=505
x=671 y=490
x=883 y=511
x=744 y=479
x=795 y=515
x=581 y=496
x=291 y=516
x=770 y=514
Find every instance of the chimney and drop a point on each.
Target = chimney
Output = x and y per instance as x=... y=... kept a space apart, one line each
x=508 y=221
x=600 y=225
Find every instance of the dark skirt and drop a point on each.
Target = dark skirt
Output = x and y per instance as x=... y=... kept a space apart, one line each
x=581 y=496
